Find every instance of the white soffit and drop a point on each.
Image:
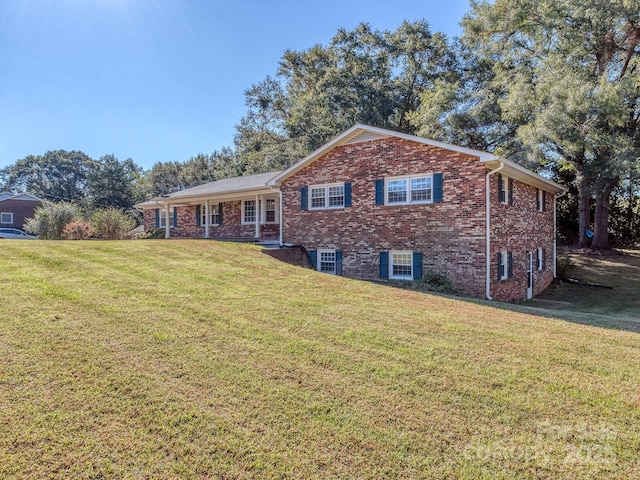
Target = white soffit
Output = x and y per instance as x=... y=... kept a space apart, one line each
x=365 y=137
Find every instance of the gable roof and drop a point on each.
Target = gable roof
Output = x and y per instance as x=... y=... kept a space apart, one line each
x=364 y=133
x=226 y=186
x=18 y=196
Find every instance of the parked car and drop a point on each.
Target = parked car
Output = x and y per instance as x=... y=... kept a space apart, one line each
x=14 y=233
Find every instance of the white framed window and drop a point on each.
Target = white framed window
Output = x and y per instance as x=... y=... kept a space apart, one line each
x=503 y=265
x=249 y=211
x=327 y=261
x=401 y=265
x=267 y=211
x=326 y=196
x=270 y=210
x=503 y=189
x=214 y=214
x=409 y=189
x=162 y=218
x=540 y=200
x=6 y=217
x=540 y=259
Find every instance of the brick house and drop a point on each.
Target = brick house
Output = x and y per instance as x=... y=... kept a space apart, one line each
x=377 y=204
x=15 y=208
x=241 y=207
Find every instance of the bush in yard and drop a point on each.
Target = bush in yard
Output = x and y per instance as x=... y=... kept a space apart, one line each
x=111 y=224
x=77 y=230
x=156 y=233
x=50 y=219
x=564 y=266
x=430 y=282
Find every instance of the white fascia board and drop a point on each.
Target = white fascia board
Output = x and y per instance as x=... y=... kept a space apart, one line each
x=247 y=193
x=525 y=175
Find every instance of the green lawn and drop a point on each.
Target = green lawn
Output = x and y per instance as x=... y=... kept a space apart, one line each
x=200 y=359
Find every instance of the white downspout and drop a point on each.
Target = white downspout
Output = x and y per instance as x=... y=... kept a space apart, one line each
x=488 y=232
x=555 y=232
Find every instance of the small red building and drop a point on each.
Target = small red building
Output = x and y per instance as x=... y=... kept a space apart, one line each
x=15 y=208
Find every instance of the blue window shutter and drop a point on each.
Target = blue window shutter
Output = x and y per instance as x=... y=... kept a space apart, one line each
x=198 y=216
x=220 y=213
x=510 y=191
x=417 y=265
x=313 y=255
x=544 y=255
x=338 y=262
x=544 y=200
x=157 y=218
x=500 y=192
x=384 y=264
x=175 y=216
x=304 y=193
x=510 y=264
x=380 y=191
x=538 y=204
x=437 y=187
x=499 y=266
x=347 y=194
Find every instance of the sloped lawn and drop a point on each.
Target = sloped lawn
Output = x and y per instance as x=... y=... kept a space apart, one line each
x=199 y=359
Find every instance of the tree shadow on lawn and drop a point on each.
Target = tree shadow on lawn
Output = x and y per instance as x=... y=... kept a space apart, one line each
x=616 y=307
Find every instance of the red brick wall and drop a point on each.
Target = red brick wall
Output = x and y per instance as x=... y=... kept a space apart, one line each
x=450 y=234
x=21 y=209
x=520 y=228
x=231 y=223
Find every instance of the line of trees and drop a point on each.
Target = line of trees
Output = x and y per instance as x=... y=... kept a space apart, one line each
x=552 y=85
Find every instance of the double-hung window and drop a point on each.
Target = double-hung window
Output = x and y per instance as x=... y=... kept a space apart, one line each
x=540 y=258
x=162 y=219
x=270 y=210
x=411 y=189
x=249 y=212
x=6 y=217
x=505 y=189
x=540 y=200
x=505 y=265
x=214 y=214
x=265 y=211
x=401 y=265
x=326 y=196
x=326 y=261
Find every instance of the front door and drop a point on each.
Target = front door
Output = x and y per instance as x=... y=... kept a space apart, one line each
x=529 y=275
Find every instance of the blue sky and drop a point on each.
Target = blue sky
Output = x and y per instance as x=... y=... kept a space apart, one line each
x=159 y=80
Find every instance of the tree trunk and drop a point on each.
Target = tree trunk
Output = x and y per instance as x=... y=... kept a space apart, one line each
x=601 y=228
x=584 y=211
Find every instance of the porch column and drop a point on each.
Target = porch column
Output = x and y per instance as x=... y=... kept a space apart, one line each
x=207 y=217
x=258 y=212
x=167 y=224
x=280 y=218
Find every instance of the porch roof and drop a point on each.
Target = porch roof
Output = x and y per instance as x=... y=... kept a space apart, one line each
x=225 y=187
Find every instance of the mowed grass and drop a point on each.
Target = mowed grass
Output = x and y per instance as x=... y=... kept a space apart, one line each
x=200 y=359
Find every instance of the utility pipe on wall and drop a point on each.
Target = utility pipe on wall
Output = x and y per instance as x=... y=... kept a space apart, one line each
x=488 y=231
